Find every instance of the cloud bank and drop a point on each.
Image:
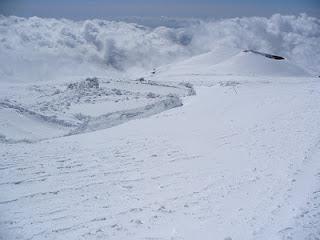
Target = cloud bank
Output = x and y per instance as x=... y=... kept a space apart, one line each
x=38 y=49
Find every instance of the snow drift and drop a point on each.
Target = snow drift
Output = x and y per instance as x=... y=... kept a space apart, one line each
x=43 y=49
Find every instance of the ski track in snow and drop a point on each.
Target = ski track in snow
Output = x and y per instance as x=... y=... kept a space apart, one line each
x=237 y=161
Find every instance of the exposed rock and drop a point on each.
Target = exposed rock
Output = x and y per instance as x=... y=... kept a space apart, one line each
x=265 y=54
x=86 y=84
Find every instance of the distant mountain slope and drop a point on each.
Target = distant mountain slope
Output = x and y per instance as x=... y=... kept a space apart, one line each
x=224 y=61
x=252 y=63
x=199 y=63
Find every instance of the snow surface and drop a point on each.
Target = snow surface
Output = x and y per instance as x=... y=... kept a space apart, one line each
x=254 y=64
x=233 y=62
x=114 y=130
x=49 y=110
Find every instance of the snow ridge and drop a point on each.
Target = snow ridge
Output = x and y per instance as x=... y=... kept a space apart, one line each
x=116 y=118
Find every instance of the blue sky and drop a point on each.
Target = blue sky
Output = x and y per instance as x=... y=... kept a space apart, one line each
x=81 y=9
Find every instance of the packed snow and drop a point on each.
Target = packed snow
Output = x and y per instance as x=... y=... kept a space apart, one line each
x=119 y=130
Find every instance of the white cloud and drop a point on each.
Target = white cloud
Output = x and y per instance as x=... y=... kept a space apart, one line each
x=49 y=48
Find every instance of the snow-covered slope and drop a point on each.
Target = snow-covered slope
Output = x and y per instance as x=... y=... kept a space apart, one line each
x=198 y=64
x=232 y=62
x=237 y=161
x=17 y=126
x=236 y=156
x=252 y=64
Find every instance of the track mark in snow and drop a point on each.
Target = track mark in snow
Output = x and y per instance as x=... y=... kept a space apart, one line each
x=141 y=180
